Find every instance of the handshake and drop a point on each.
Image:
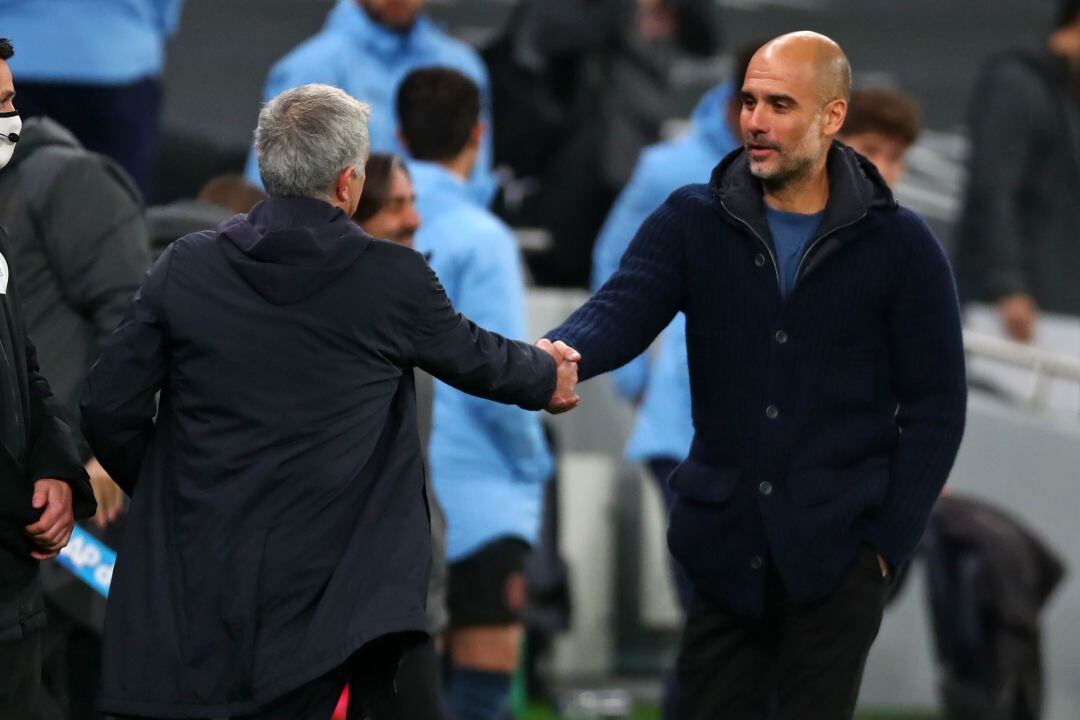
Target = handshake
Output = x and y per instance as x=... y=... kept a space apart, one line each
x=566 y=363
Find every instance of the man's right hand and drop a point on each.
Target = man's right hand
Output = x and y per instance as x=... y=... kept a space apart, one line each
x=1018 y=313
x=566 y=360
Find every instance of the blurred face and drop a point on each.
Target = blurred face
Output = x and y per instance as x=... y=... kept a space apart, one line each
x=397 y=221
x=887 y=153
x=785 y=127
x=395 y=14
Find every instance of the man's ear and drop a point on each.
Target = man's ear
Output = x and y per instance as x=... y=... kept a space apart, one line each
x=835 y=113
x=341 y=189
x=477 y=133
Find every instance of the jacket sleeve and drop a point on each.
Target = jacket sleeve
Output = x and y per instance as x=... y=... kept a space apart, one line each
x=455 y=350
x=491 y=293
x=627 y=214
x=1009 y=102
x=95 y=236
x=52 y=451
x=620 y=321
x=930 y=385
x=119 y=400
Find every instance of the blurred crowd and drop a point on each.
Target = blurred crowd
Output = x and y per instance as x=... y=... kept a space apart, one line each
x=555 y=125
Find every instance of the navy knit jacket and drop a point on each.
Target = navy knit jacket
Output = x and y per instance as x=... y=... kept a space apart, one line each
x=823 y=421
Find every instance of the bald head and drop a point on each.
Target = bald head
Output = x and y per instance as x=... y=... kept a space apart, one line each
x=794 y=100
x=814 y=56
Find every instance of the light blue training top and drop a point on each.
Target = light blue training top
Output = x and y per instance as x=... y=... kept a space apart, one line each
x=92 y=42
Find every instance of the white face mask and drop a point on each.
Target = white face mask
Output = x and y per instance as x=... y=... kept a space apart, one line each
x=10 y=127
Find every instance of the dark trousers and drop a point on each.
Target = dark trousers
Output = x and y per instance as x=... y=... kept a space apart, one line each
x=419 y=687
x=661 y=468
x=20 y=677
x=370 y=674
x=120 y=121
x=797 y=662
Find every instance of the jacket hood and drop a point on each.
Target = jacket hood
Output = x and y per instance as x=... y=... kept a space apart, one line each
x=855 y=186
x=287 y=249
x=709 y=118
x=39 y=132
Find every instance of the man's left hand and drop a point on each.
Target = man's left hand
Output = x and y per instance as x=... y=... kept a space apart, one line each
x=52 y=531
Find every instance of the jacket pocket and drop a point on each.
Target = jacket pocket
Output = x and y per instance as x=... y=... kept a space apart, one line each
x=241 y=604
x=863 y=484
x=704 y=483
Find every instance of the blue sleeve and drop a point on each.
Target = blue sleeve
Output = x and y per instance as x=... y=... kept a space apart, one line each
x=491 y=293
x=638 y=198
x=169 y=14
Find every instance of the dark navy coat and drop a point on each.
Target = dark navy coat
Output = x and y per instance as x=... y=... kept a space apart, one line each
x=278 y=520
x=823 y=421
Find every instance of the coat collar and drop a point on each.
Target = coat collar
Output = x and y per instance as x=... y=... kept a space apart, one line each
x=855 y=186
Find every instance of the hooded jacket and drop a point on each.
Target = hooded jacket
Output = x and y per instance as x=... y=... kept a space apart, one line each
x=662 y=427
x=278 y=518
x=80 y=244
x=823 y=421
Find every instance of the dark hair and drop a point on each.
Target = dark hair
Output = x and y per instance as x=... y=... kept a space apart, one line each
x=6 y=49
x=379 y=176
x=1067 y=12
x=437 y=109
x=882 y=110
x=232 y=192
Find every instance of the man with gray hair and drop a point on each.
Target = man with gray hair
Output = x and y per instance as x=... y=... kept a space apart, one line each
x=278 y=542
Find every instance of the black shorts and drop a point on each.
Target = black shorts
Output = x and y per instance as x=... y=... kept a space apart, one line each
x=488 y=586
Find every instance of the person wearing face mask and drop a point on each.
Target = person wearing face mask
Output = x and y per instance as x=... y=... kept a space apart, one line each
x=258 y=404
x=79 y=240
x=366 y=48
x=43 y=485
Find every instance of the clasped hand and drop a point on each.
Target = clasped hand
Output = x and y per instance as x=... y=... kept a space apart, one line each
x=566 y=363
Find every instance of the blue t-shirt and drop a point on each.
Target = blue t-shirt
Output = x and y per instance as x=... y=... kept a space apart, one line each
x=790 y=233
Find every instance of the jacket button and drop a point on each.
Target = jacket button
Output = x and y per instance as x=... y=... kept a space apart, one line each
x=781 y=337
x=756 y=563
x=759 y=260
x=772 y=412
x=765 y=488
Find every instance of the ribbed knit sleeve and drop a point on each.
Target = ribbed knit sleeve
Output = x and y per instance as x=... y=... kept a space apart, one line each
x=624 y=316
x=927 y=352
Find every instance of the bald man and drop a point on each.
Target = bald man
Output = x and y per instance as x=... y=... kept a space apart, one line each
x=828 y=392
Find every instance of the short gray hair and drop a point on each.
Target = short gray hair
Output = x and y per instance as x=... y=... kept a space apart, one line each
x=307 y=136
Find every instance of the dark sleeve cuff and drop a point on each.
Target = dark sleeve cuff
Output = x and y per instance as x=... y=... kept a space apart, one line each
x=546 y=365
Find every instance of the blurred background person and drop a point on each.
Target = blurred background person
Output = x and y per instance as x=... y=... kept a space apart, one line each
x=580 y=87
x=489 y=462
x=95 y=67
x=387 y=209
x=365 y=48
x=881 y=125
x=78 y=239
x=218 y=200
x=43 y=484
x=1019 y=242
